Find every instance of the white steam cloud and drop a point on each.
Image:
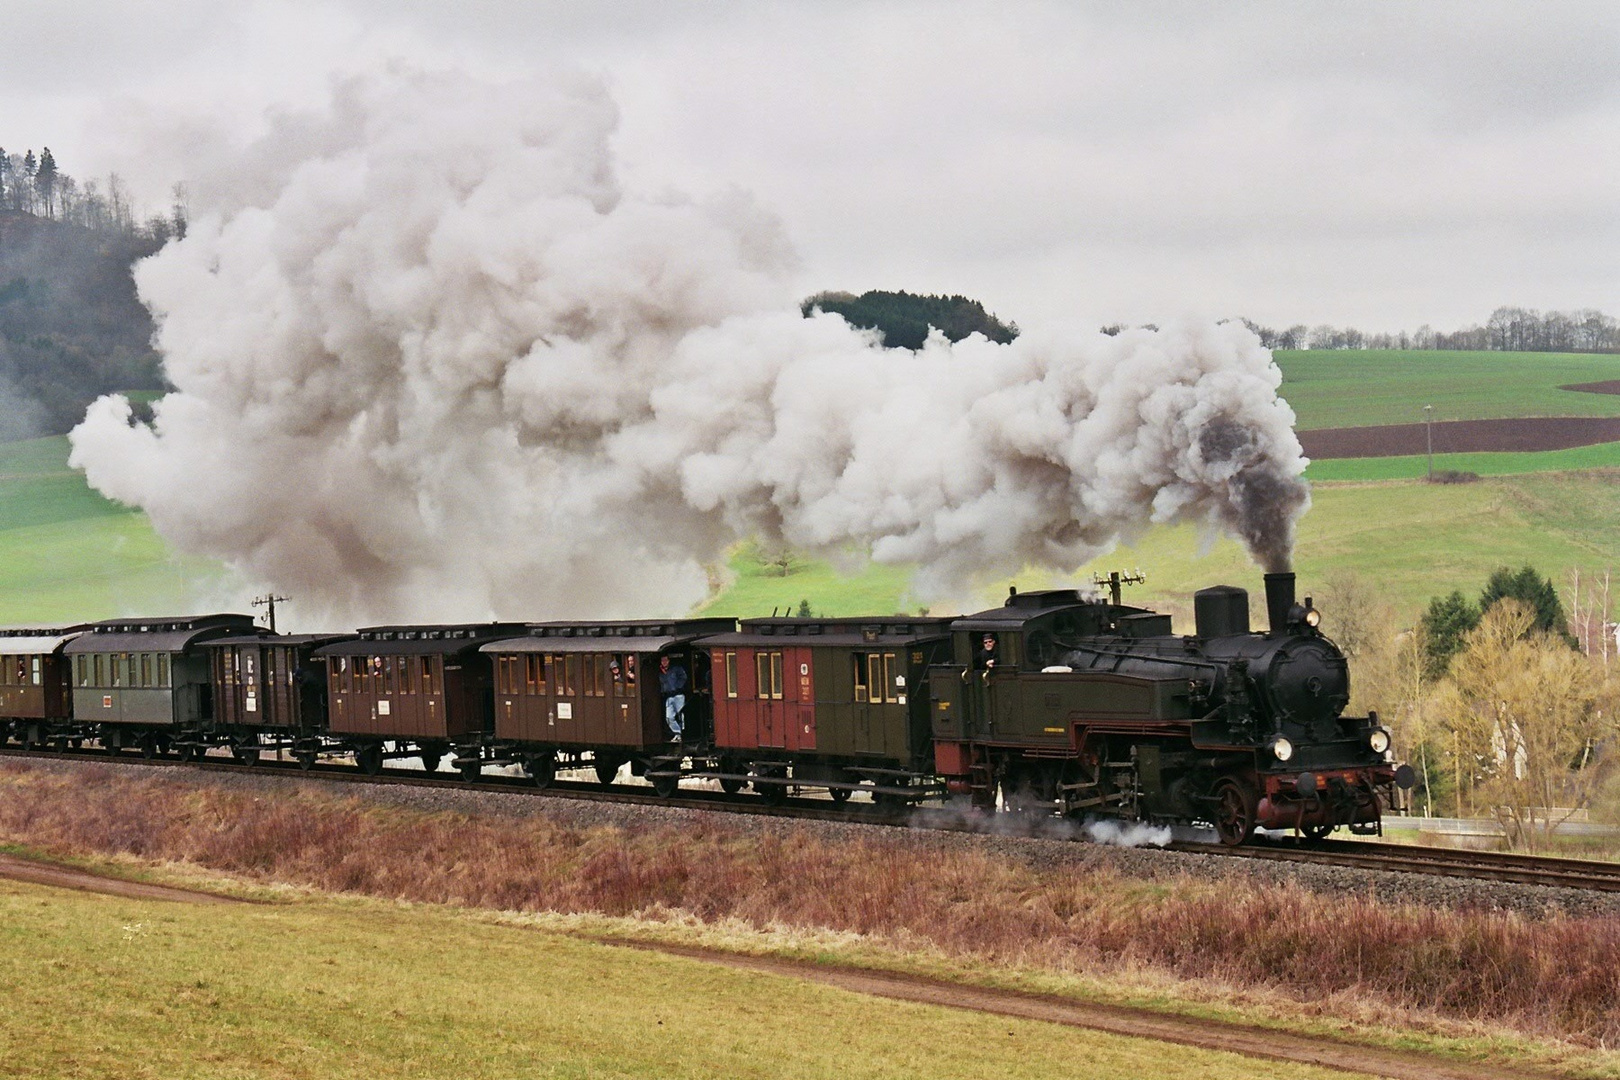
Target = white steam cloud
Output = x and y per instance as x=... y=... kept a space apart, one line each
x=1128 y=833
x=432 y=361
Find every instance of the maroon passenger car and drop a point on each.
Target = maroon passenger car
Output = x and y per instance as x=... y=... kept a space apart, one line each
x=35 y=690
x=573 y=694
x=413 y=691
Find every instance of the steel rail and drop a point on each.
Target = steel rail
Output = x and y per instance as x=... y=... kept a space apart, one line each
x=1582 y=874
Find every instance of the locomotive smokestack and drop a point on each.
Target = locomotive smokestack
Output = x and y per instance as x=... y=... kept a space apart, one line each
x=1279 y=598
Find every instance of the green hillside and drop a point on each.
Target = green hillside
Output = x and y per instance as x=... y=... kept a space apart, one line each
x=1355 y=388
x=1414 y=540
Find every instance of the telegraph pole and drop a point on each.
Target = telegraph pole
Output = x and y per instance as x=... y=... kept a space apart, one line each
x=269 y=601
x=1428 y=429
x=1117 y=578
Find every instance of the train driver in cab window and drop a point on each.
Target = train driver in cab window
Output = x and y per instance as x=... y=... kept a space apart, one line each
x=984 y=654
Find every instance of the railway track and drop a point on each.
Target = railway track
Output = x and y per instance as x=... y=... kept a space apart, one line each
x=1587 y=874
x=1583 y=874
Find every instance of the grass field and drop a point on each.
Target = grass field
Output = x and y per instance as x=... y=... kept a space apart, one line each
x=1416 y=466
x=1352 y=388
x=106 y=987
x=68 y=554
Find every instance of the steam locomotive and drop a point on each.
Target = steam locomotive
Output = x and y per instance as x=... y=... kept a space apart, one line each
x=1052 y=704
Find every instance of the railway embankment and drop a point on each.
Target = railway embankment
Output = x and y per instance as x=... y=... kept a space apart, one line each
x=1458 y=959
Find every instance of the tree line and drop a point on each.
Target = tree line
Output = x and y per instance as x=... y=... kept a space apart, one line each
x=37 y=186
x=904 y=319
x=1509 y=329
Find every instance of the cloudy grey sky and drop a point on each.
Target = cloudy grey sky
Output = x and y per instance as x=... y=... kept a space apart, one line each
x=1378 y=164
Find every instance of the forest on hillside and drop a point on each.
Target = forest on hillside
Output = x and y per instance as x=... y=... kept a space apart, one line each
x=71 y=325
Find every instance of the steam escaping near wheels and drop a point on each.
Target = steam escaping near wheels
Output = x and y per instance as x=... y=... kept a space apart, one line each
x=434 y=360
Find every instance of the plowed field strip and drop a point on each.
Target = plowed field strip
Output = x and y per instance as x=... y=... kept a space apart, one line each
x=1522 y=435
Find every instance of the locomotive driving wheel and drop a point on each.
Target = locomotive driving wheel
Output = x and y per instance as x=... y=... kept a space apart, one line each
x=1234 y=812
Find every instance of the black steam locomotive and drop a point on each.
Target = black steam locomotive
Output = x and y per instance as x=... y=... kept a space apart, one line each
x=1050 y=704
x=1098 y=708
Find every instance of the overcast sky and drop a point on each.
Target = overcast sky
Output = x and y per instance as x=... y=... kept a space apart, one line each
x=1375 y=164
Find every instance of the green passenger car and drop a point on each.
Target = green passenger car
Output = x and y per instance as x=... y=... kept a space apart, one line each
x=146 y=679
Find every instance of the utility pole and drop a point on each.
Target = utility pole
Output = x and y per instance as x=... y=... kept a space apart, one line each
x=1428 y=429
x=269 y=601
x=1117 y=578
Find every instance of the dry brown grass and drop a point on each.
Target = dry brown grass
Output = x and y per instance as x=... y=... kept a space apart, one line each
x=1554 y=976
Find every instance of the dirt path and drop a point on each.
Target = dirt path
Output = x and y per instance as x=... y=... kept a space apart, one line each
x=1118 y=1020
x=62 y=877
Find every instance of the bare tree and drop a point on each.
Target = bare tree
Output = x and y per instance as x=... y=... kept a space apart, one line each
x=1530 y=715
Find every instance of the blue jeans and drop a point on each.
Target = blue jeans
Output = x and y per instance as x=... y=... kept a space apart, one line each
x=673 y=706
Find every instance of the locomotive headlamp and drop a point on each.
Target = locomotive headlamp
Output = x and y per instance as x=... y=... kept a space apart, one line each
x=1281 y=748
x=1378 y=739
x=1304 y=615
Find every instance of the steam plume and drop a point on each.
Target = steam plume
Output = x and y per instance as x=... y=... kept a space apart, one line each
x=432 y=361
